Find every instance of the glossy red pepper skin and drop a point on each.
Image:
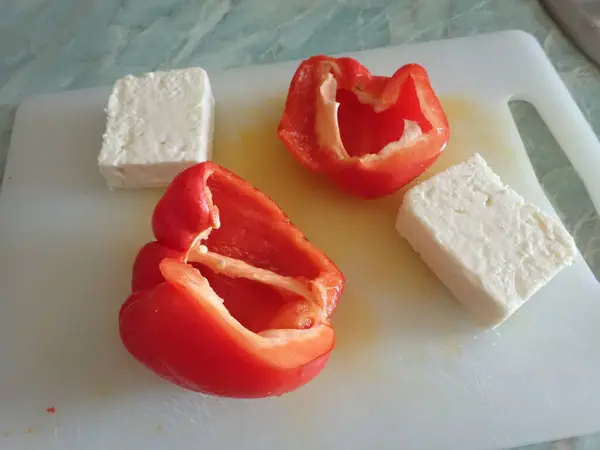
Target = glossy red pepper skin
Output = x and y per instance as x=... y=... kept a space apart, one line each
x=231 y=299
x=369 y=145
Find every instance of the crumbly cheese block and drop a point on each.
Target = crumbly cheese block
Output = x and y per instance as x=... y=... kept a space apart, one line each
x=157 y=124
x=490 y=248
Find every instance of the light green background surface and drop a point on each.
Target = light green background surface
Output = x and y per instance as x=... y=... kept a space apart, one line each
x=49 y=46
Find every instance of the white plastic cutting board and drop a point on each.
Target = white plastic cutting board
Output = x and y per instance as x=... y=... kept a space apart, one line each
x=409 y=370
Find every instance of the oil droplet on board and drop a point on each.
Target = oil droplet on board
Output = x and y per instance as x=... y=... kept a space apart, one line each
x=475 y=128
x=102 y=391
x=355 y=327
x=452 y=347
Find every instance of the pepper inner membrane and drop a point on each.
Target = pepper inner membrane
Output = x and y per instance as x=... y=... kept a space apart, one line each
x=364 y=131
x=253 y=235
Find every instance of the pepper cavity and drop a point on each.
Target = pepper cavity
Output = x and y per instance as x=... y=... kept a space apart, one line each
x=248 y=298
x=371 y=135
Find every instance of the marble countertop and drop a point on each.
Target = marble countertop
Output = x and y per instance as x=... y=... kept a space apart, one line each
x=49 y=46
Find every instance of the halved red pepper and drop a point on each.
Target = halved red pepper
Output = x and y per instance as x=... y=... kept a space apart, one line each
x=231 y=299
x=370 y=134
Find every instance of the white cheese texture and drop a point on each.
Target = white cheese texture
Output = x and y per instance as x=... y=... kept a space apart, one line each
x=157 y=125
x=490 y=248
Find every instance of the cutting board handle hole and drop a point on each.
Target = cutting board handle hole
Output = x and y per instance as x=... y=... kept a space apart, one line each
x=556 y=174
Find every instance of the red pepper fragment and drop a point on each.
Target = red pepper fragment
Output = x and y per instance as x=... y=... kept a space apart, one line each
x=51 y=410
x=231 y=299
x=369 y=134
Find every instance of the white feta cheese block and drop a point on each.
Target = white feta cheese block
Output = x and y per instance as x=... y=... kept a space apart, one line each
x=157 y=125
x=490 y=248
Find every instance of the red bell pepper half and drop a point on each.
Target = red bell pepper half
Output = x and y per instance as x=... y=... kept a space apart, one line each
x=370 y=134
x=231 y=299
